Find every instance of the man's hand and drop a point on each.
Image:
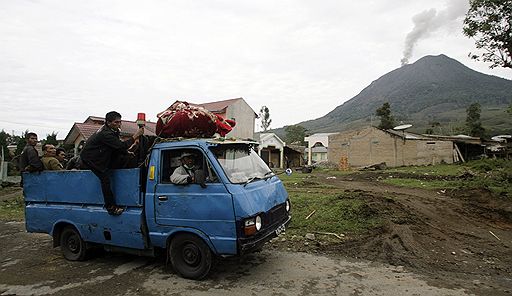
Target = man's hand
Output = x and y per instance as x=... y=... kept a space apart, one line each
x=139 y=133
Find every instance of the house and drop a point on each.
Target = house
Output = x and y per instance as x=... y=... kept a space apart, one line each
x=82 y=131
x=372 y=145
x=277 y=154
x=317 y=147
x=239 y=111
x=271 y=150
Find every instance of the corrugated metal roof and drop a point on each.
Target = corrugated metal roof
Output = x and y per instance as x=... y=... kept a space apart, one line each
x=407 y=135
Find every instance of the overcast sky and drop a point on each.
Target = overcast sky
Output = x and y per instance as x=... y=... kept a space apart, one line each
x=62 y=61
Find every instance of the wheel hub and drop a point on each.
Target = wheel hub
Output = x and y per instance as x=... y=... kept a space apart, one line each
x=191 y=255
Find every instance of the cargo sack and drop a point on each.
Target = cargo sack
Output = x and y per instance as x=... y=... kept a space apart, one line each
x=184 y=120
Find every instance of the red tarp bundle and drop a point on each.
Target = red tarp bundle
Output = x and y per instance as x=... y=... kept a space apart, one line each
x=184 y=120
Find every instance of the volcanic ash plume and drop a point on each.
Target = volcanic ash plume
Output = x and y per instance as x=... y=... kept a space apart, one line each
x=429 y=21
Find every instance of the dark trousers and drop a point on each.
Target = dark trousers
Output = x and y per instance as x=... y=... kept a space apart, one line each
x=104 y=177
x=108 y=196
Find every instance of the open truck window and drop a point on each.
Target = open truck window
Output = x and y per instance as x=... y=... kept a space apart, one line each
x=241 y=163
x=171 y=160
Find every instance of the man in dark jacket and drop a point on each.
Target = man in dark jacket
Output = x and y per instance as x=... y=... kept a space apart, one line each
x=102 y=151
x=29 y=158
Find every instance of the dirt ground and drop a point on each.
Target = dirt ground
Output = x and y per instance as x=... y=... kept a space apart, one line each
x=457 y=242
x=456 y=238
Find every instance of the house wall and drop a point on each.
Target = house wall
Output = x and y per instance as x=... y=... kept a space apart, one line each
x=319 y=156
x=244 y=117
x=372 y=146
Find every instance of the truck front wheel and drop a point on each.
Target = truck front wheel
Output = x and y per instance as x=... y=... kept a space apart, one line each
x=72 y=245
x=190 y=256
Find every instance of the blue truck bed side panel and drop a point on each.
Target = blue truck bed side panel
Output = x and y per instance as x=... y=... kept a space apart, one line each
x=81 y=187
x=93 y=222
x=75 y=197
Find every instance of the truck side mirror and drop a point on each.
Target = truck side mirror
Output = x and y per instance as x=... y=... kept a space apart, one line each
x=200 y=178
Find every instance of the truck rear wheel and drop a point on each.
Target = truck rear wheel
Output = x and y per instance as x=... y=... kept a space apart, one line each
x=72 y=245
x=190 y=256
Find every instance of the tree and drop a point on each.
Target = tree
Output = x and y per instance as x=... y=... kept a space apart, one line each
x=4 y=141
x=51 y=139
x=295 y=133
x=433 y=125
x=386 y=120
x=489 y=22
x=265 y=118
x=473 y=124
x=21 y=142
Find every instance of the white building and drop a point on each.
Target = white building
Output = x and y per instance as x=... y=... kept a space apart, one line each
x=320 y=142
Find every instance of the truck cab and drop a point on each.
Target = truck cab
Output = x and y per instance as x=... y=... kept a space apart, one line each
x=236 y=205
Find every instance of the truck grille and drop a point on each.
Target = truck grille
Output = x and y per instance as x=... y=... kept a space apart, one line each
x=277 y=214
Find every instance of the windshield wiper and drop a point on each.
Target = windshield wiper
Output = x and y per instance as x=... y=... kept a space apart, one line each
x=251 y=179
x=267 y=175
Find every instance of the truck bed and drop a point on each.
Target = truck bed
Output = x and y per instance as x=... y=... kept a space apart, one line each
x=75 y=197
x=81 y=187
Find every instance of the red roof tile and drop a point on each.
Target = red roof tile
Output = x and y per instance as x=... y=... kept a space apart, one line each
x=128 y=128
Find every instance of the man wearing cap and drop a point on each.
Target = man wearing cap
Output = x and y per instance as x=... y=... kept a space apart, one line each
x=184 y=174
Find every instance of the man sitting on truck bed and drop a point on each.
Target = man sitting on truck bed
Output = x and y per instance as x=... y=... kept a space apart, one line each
x=29 y=158
x=49 y=160
x=104 y=151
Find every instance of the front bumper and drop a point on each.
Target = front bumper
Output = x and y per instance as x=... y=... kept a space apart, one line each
x=246 y=245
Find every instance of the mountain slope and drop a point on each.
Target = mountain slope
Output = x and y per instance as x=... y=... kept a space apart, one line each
x=435 y=88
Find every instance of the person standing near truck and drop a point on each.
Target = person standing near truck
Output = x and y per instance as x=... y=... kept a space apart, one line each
x=103 y=151
x=29 y=158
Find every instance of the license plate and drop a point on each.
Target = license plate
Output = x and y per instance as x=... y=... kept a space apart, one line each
x=280 y=230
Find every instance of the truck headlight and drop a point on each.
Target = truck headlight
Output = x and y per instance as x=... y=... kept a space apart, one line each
x=258 y=223
x=287 y=205
x=252 y=225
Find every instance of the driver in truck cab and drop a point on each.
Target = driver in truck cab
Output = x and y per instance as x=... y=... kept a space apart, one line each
x=184 y=174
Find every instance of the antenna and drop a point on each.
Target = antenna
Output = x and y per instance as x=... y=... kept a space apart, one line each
x=402 y=127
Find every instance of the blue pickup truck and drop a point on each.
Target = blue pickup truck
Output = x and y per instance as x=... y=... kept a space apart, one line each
x=236 y=206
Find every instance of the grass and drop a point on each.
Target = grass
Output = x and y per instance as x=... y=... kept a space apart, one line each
x=334 y=210
x=491 y=174
x=12 y=209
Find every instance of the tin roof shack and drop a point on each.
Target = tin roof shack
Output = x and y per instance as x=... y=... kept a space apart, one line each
x=499 y=147
x=371 y=145
x=465 y=147
x=293 y=156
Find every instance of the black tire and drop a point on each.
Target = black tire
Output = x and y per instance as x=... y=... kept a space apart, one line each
x=190 y=256
x=72 y=245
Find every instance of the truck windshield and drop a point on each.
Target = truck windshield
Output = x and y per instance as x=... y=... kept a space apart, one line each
x=241 y=163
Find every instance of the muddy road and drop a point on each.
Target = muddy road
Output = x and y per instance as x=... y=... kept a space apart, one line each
x=30 y=266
